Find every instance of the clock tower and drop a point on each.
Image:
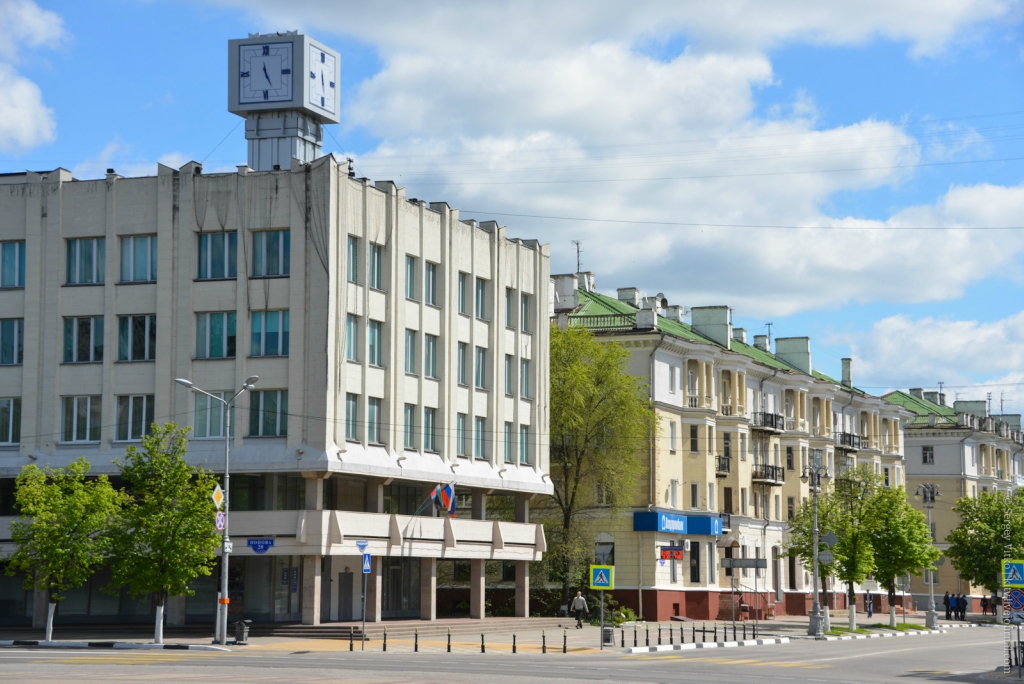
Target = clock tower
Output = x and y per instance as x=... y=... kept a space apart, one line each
x=286 y=87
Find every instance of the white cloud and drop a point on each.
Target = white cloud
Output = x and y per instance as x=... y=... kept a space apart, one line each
x=120 y=157
x=24 y=24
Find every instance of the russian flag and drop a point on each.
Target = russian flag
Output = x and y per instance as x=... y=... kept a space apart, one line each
x=444 y=498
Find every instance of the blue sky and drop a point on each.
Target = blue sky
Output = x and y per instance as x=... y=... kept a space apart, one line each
x=505 y=107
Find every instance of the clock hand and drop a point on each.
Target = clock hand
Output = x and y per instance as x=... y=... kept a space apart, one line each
x=265 y=74
x=321 y=78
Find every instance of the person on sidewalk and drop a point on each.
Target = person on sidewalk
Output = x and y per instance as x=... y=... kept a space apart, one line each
x=579 y=606
x=869 y=603
x=962 y=605
x=984 y=605
x=947 y=603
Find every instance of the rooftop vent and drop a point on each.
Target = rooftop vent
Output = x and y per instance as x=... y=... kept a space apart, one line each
x=917 y=392
x=796 y=351
x=566 y=298
x=847 y=373
x=761 y=342
x=675 y=313
x=740 y=334
x=714 y=323
x=629 y=295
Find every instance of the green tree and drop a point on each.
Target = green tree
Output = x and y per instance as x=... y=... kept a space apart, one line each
x=855 y=555
x=991 y=528
x=801 y=536
x=167 y=537
x=901 y=541
x=601 y=417
x=63 y=533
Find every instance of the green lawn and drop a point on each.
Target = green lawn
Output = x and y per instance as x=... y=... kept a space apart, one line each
x=840 y=631
x=900 y=626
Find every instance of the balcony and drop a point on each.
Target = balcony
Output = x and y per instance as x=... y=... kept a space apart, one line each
x=693 y=401
x=769 y=422
x=726 y=521
x=848 y=441
x=892 y=449
x=726 y=409
x=722 y=466
x=604 y=322
x=763 y=473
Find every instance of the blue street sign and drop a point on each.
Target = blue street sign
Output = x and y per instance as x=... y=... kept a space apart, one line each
x=366 y=563
x=362 y=544
x=261 y=545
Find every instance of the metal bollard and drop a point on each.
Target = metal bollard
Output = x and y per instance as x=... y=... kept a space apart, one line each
x=350 y=639
x=385 y=638
x=682 y=634
x=482 y=649
x=449 y=639
x=693 y=632
x=565 y=640
x=513 y=642
x=416 y=641
x=647 y=639
x=634 y=634
x=703 y=632
x=671 y=638
x=734 y=631
x=659 y=634
x=622 y=631
x=744 y=630
x=543 y=641
x=715 y=638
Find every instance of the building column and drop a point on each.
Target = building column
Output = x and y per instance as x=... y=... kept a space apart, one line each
x=428 y=490
x=701 y=383
x=476 y=588
x=311 y=589
x=523 y=507
x=428 y=588
x=522 y=588
x=479 y=504
x=373 y=590
x=175 y=611
x=375 y=496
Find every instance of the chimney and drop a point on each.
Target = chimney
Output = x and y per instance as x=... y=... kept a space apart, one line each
x=674 y=313
x=761 y=342
x=917 y=392
x=942 y=398
x=646 y=319
x=586 y=281
x=847 y=373
x=796 y=351
x=932 y=397
x=740 y=334
x=629 y=295
x=714 y=323
x=565 y=286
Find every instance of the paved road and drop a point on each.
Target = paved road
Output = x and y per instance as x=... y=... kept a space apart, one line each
x=958 y=656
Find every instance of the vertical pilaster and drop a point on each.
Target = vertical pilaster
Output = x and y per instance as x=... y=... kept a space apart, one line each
x=476 y=588
x=311 y=589
x=428 y=588
x=479 y=504
x=374 y=590
x=522 y=588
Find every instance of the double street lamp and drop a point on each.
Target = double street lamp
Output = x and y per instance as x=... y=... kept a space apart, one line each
x=815 y=473
x=926 y=494
x=225 y=548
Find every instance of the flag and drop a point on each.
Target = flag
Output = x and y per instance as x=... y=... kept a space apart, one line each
x=444 y=498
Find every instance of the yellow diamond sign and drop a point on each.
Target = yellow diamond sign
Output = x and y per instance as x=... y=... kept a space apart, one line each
x=218 y=496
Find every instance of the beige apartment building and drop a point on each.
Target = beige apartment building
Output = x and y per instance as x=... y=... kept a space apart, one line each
x=738 y=422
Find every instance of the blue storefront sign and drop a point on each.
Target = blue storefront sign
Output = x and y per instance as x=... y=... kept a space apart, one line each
x=260 y=545
x=675 y=523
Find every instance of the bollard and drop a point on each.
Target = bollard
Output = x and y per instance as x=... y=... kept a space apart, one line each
x=634 y=634
x=734 y=631
x=482 y=649
x=622 y=630
x=416 y=641
x=693 y=632
x=449 y=639
x=385 y=638
x=513 y=642
x=647 y=639
x=659 y=634
x=543 y=641
x=565 y=640
x=682 y=635
x=715 y=638
x=744 y=630
x=350 y=644
x=670 y=637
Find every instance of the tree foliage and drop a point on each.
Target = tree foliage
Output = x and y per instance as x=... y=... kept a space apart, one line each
x=855 y=554
x=600 y=418
x=991 y=528
x=900 y=538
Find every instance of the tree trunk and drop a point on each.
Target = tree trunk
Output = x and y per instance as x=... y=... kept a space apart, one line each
x=158 y=635
x=851 y=606
x=51 y=608
x=892 y=606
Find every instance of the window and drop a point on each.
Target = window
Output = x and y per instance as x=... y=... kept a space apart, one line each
x=430 y=356
x=728 y=554
x=711 y=496
x=463 y=304
x=12 y=341
x=928 y=455
x=138 y=258
x=460 y=434
x=524 y=379
x=270 y=333
x=790 y=507
x=136 y=338
x=218 y=255
x=430 y=429
x=885 y=477
x=694 y=440
x=508 y=374
x=410 y=426
x=672 y=437
x=727 y=500
x=480 y=437
x=789 y=458
x=694 y=495
x=727 y=444
x=711 y=439
x=353 y=259
x=10 y=420
x=352 y=416
x=268 y=413
x=12 y=264
x=83 y=339
x=215 y=335
x=376 y=267
x=508 y=443
x=803 y=457
x=481 y=298
x=524 y=444
x=672 y=380
x=410 y=351
x=352 y=338
x=776 y=452
x=743 y=500
x=430 y=284
x=271 y=253
x=481 y=368
x=509 y=318
x=373 y=433
x=463 y=350
x=524 y=312
x=778 y=515
x=743 y=446
x=209 y=416
x=375 y=349
x=695 y=561
x=81 y=419
x=134 y=417
x=86 y=261
x=410 y=277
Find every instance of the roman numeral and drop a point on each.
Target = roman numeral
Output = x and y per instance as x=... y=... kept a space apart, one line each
x=312 y=75
x=266 y=94
x=332 y=84
x=323 y=57
x=286 y=71
x=266 y=49
x=244 y=74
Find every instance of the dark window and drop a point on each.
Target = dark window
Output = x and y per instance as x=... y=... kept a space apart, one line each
x=249 y=492
x=727 y=501
x=460 y=571
x=728 y=554
x=789 y=458
x=695 y=561
x=694 y=440
x=508 y=571
x=928 y=455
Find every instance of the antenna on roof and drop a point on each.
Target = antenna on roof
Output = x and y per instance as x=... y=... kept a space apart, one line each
x=988 y=397
x=769 y=325
x=940 y=387
x=1001 y=393
x=579 y=250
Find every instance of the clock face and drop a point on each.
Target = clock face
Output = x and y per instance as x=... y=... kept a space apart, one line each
x=264 y=73
x=323 y=79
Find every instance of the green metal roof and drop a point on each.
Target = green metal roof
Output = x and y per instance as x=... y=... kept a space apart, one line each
x=945 y=416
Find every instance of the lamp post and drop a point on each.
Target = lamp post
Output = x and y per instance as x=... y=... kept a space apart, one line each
x=815 y=473
x=926 y=494
x=221 y=631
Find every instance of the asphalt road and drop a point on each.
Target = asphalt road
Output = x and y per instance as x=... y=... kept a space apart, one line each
x=962 y=655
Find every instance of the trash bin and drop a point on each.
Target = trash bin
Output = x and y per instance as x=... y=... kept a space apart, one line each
x=609 y=636
x=242 y=631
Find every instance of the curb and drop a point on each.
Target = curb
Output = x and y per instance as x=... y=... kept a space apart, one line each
x=709 y=644
x=121 y=645
x=882 y=635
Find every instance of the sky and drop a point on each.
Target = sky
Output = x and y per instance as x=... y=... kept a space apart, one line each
x=851 y=172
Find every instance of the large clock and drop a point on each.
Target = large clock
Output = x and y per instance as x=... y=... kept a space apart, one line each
x=265 y=73
x=323 y=79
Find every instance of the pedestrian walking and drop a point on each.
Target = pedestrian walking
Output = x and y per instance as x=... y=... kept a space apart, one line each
x=579 y=606
x=947 y=603
x=869 y=602
x=984 y=605
x=962 y=605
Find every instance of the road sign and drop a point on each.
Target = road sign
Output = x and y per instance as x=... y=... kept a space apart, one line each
x=218 y=496
x=826 y=557
x=602 y=577
x=219 y=520
x=362 y=544
x=260 y=545
x=1013 y=573
x=749 y=563
x=366 y=563
x=830 y=539
x=229 y=546
x=1015 y=599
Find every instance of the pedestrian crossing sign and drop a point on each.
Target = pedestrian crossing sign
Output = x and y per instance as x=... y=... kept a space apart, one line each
x=1013 y=573
x=366 y=563
x=602 y=577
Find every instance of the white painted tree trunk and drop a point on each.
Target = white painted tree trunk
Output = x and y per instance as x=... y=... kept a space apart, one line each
x=892 y=616
x=158 y=636
x=852 y=610
x=827 y=626
x=51 y=608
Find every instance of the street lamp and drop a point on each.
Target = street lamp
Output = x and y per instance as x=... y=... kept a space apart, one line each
x=815 y=473
x=221 y=630
x=926 y=494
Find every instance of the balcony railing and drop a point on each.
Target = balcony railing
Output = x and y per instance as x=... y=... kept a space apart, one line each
x=768 y=421
x=693 y=402
x=768 y=474
x=791 y=423
x=722 y=466
x=847 y=440
x=726 y=409
x=604 y=322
